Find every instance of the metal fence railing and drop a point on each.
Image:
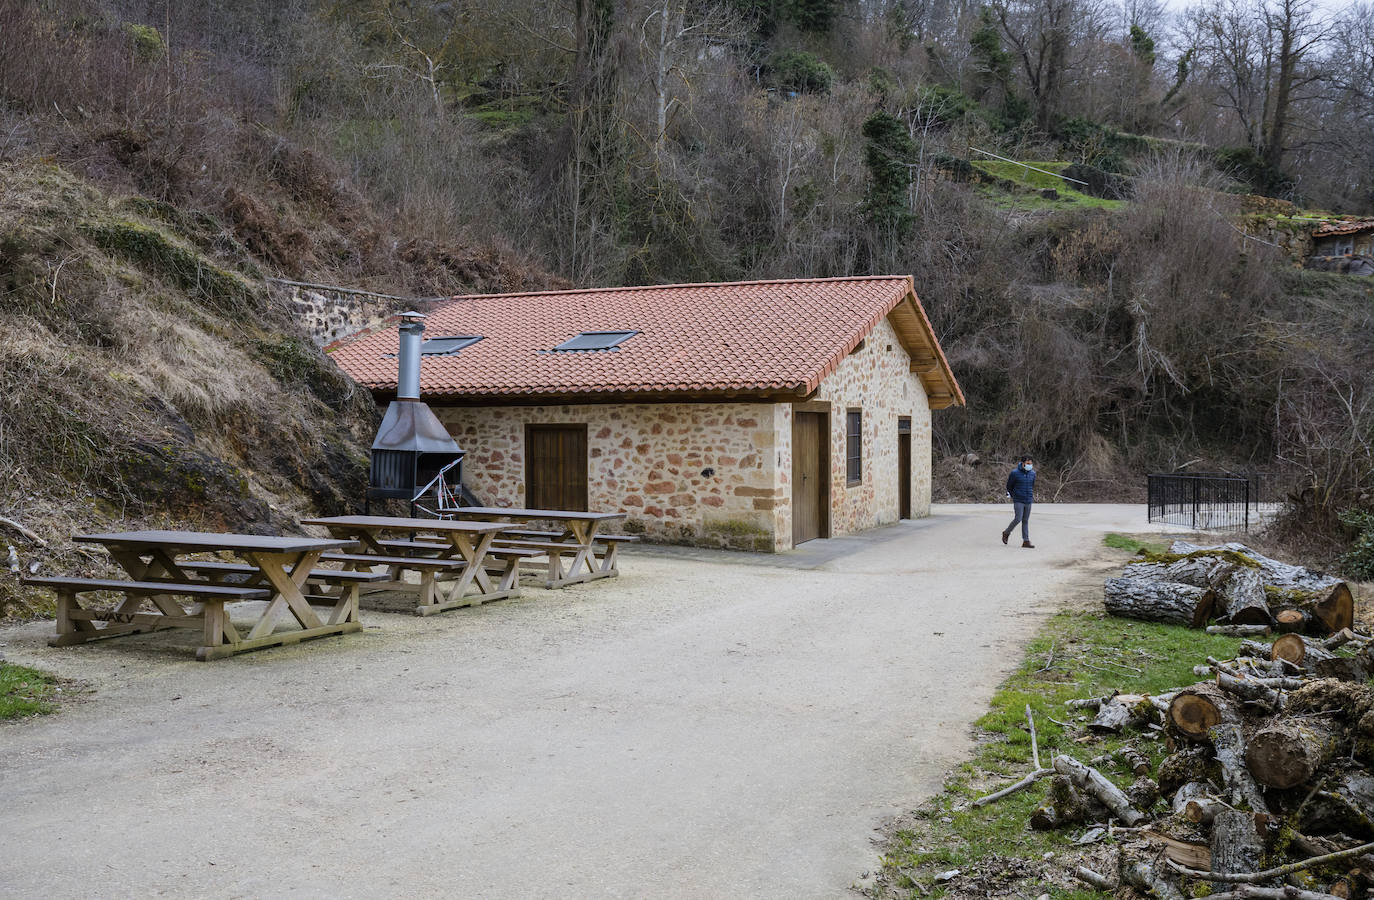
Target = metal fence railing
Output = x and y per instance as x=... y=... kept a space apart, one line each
x=1201 y=501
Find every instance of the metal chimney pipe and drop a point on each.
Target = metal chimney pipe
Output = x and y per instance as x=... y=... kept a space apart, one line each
x=408 y=358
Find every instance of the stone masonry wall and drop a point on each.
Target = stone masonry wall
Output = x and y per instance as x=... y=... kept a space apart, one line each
x=700 y=473
x=877 y=381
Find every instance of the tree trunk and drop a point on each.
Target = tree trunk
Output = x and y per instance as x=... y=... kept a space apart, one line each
x=1278 y=574
x=1241 y=791
x=1195 y=711
x=1242 y=599
x=1236 y=845
x=1290 y=752
x=1199 y=571
x=1329 y=609
x=1094 y=783
x=1158 y=601
x=1342 y=668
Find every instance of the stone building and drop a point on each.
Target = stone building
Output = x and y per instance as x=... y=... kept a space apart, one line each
x=1345 y=246
x=753 y=415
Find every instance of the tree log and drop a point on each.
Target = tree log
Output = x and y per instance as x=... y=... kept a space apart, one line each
x=1112 y=718
x=1278 y=574
x=1251 y=689
x=1289 y=620
x=1328 y=609
x=1196 y=710
x=1239 y=630
x=1255 y=892
x=1342 y=668
x=1194 y=801
x=1241 y=791
x=1145 y=875
x=1302 y=651
x=1289 y=752
x=1094 y=783
x=1236 y=845
x=1134 y=760
x=1199 y=571
x=1242 y=599
x=1178 y=769
x=1158 y=601
x=1344 y=806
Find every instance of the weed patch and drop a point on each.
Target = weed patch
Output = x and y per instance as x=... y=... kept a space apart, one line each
x=25 y=692
x=1133 y=544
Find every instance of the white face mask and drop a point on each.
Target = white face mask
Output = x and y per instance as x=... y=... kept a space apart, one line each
x=1028 y=467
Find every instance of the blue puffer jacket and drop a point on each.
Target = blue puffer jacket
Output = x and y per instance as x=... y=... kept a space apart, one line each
x=1021 y=485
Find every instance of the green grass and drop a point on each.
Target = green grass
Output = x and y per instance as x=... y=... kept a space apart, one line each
x=1133 y=545
x=25 y=692
x=1076 y=654
x=1032 y=183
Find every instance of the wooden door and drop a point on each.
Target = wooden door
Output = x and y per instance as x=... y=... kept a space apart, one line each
x=556 y=467
x=904 y=468
x=810 y=476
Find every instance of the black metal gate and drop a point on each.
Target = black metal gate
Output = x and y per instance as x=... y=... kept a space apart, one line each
x=1201 y=500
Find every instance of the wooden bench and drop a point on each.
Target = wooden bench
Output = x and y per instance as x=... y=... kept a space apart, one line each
x=347 y=583
x=75 y=623
x=601 y=559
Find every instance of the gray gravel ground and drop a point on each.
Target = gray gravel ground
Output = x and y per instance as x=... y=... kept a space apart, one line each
x=709 y=725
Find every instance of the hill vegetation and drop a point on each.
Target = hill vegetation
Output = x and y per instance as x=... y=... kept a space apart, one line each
x=159 y=161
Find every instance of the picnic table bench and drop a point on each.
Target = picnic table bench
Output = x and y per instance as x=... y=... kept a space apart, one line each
x=275 y=569
x=581 y=539
x=455 y=574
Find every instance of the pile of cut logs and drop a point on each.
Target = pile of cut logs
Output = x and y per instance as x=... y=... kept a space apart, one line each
x=1267 y=788
x=1244 y=591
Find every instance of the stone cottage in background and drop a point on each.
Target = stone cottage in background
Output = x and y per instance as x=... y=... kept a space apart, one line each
x=755 y=415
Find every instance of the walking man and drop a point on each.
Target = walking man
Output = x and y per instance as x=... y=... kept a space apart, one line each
x=1021 y=487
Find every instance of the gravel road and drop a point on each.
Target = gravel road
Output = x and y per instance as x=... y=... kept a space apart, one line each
x=710 y=725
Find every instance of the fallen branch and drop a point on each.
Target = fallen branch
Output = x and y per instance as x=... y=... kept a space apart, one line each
x=1238 y=630
x=1088 y=779
x=1035 y=745
x=24 y=531
x=1024 y=783
x=1287 y=892
x=1096 y=879
x=1276 y=872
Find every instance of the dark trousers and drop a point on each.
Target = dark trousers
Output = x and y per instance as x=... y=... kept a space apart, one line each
x=1022 y=516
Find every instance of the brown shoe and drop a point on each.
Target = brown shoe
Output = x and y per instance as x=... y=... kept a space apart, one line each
x=1028 y=544
x=1005 y=534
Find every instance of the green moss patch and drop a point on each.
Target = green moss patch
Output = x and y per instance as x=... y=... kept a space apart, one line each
x=25 y=692
x=160 y=253
x=1133 y=544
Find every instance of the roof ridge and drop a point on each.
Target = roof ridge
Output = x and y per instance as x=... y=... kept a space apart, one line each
x=690 y=284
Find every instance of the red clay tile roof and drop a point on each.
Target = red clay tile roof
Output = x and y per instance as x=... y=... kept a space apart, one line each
x=762 y=337
x=1330 y=229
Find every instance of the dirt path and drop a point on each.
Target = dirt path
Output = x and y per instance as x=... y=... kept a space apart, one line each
x=710 y=725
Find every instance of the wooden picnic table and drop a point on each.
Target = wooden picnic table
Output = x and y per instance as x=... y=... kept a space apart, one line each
x=582 y=535
x=467 y=547
x=280 y=565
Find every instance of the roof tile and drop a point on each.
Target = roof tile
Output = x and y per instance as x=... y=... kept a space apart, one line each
x=763 y=336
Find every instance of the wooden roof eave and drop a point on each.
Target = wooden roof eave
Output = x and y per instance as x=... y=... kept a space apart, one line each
x=927 y=360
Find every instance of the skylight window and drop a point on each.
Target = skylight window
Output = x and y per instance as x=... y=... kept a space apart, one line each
x=596 y=340
x=447 y=346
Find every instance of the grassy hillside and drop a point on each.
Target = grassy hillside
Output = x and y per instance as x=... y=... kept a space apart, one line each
x=148 y=377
